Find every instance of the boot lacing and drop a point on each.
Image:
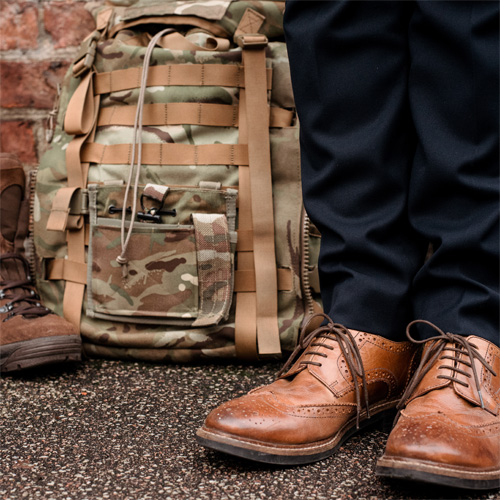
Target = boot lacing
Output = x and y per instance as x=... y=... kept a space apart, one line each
x=350 y=351
x=22 y=298
x=136 y=144
x=446 y=342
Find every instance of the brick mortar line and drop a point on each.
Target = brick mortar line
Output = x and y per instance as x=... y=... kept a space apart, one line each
x=31 y=114
x=37 y=55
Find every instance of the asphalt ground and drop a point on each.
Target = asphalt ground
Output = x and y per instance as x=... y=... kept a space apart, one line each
x=122 y=430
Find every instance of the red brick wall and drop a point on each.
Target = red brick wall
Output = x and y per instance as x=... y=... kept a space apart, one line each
x=38 y=41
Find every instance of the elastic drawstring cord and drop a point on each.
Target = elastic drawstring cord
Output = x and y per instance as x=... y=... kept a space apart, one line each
x=137 y=143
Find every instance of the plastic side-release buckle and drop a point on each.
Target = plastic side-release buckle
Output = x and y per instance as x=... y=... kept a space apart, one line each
x=86 y=55
x=252 y=41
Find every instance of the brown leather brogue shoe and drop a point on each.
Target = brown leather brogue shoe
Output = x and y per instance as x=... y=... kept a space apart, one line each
x=341 y=382
x=449 y=430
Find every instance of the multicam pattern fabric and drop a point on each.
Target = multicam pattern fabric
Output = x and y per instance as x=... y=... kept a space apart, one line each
x=215 y=267
x=156 y=192
x=161 y=279
x=150 y=338
x=225 y=14
x=208 y=9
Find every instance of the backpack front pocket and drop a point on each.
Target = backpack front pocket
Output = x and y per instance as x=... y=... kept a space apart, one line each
x=161 y=276
x=174 y=274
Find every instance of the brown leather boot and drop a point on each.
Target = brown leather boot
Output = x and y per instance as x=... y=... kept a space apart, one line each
x=31 y=335
x=448 y=431
x=12 y=187
x=343 y=381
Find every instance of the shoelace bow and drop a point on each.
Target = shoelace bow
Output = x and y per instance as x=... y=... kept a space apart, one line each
x=22 y=298
x=444 y=342
x=349 y=348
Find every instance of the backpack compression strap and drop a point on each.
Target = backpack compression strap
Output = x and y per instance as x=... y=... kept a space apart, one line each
x=262 y=209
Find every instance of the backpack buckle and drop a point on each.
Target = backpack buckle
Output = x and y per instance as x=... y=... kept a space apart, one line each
x=86 y=55
x=256 y=41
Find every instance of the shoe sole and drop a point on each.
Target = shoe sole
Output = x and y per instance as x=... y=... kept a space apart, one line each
x=429 y=472
x=38 y=352
x=292 y=455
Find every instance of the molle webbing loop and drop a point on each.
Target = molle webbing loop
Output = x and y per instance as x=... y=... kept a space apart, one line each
x=193 y=75
x=187 y=113
x=167 y=154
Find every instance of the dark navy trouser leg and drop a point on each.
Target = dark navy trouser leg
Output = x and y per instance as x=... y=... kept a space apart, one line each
x=350 y=63
x=454 y=188
x=380 y=180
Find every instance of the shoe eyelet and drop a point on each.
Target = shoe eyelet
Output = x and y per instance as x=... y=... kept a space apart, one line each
x=6 y=308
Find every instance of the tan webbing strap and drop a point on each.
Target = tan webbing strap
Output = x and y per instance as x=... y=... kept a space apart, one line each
x=280 y=118
x=60 y=218
x=64 y=269
x=174 y=113
x=80 y=111
x=186 y=113
x=245 y=323
x=198 y=75
x=259 y=152
x=244 y=280
x=77 y=177
x=78 y=121
x=168 y=154
x=74 y=291
x=245 y=240
x=246 y=326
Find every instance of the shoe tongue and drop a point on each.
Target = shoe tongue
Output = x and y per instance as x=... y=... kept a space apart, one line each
x=306 y=360
x=432 y=379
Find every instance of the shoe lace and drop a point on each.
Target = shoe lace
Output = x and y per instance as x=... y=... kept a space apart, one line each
x=440 y=347
x=349 y=348
x=23 y=300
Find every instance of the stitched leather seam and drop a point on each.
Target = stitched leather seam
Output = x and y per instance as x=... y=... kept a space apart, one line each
x=442 y=416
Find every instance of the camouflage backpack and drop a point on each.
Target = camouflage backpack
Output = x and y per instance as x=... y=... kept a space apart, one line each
x=167 y=219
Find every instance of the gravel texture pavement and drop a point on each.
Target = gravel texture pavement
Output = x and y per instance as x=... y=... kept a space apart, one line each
x=117 y=430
